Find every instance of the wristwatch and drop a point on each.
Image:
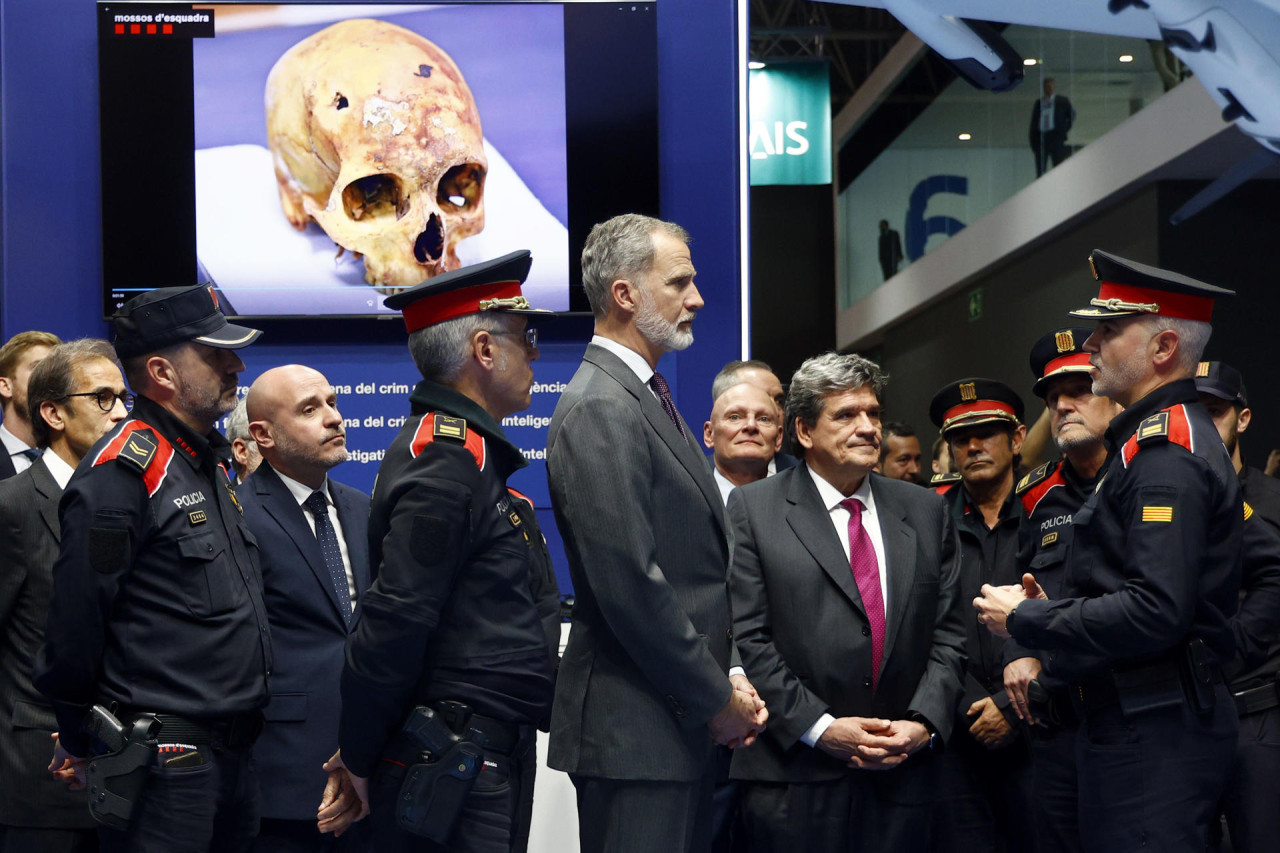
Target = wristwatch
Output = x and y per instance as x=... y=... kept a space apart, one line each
x=935 y=739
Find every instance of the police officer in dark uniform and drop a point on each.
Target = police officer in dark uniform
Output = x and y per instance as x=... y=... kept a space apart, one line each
x=1249 y=803
x=1141 y=632
x=157 y=610
x=1050 y=495
x=984 y=801
x=449 y=643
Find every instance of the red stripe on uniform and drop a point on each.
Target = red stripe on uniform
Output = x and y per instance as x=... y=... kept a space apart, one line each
x=1036 y=494
x=426 y=433
x=524 y=498
x=157 y=469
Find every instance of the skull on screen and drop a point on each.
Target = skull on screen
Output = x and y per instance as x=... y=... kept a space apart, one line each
x=376 y=137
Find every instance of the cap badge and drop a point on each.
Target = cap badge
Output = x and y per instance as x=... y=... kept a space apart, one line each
x=1093 y=269
x=968 y=392
x=1202 y=369
x=1066 y=341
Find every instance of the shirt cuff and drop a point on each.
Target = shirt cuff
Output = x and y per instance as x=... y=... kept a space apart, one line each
x=737 y=670
x=817 y=729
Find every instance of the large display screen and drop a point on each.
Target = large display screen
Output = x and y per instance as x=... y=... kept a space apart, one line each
x=308 y=158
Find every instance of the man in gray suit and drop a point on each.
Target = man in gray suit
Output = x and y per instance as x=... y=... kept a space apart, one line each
x=847 y=614
x=75 y=394
x=643 y=690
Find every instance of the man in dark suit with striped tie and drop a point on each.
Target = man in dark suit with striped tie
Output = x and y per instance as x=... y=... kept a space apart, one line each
x=76 y=395
x=312 y=534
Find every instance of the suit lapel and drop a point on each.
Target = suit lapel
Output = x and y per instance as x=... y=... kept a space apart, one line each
x=689 y=456
x=281 y=506
x=354 y=530
x=810 y=520
x=49 y=494
x=899 y=554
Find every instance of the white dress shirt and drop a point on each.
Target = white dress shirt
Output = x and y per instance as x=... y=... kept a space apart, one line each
x=831 y=498
x=16 y=448
x=1046 y=113
x=300 y=494
x=632 y=359
x=58 y=467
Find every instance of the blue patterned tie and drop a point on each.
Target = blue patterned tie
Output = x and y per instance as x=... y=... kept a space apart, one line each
x=31 y=453
x=318 y=506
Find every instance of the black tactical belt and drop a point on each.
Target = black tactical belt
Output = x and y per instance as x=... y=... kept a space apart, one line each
x=506 y=738
x=1257 y=699
x=238 y=732
x=1152 y=679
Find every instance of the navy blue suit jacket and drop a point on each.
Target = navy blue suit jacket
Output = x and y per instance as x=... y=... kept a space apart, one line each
x=308 y=635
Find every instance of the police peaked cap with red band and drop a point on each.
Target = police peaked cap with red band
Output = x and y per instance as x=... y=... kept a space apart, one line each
x=1131 y=288
x=1057 y=353
x=1222 y=381
x=973 y=401
x=172 y=315
x=489 y=286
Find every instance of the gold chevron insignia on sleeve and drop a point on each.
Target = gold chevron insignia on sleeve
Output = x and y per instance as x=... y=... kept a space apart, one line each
x=447 y=427
x=139 y=449
x=1248 y=511
x=1157 y=513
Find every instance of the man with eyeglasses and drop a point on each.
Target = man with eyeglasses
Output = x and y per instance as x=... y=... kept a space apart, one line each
x=451 y=620
x=75 y=394
x=157 y=608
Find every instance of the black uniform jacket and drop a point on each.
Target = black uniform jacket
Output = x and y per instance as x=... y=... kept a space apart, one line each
x=450 y=614
x=157 y=592
x=1257 y=624
x=986 y=556
x=1155 y=551
x=1050 y=496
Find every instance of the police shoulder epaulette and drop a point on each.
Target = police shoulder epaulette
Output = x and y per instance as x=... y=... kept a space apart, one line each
x=944 y=479
x=142 y=449
x=1167 y=425
x=1034 y=477
x=1248 y=511
x=435 y=425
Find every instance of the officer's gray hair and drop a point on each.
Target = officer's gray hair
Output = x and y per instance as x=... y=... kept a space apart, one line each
x=238 y=422
x=53 y=379
x=441 y=351
x=1193 y=336
x=822 y=375
x=728 y=375
x=621 y=247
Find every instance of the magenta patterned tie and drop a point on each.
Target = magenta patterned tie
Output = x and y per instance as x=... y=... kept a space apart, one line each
x=664 y=397
x=866 y=572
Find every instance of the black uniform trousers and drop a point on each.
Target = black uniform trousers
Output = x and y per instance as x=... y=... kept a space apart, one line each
x=984 y=798
x=1253 y=814
x=494 y=819
x=212 y=807
x=1055 y=788
x=276 y=835
x=1153 y=780
x=34 y=839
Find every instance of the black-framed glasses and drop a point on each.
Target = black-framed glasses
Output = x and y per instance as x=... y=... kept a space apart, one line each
x=106 y=399
x=530 y=336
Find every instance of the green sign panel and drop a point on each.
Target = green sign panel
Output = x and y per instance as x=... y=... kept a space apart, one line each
x=789 y=116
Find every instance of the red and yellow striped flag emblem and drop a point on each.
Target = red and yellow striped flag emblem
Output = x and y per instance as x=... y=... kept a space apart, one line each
x=1157 y=513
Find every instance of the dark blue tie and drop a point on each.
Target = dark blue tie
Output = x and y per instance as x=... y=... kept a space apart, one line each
x=318 y=506
x=31 y=453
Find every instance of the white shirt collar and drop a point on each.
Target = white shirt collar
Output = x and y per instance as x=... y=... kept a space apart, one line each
x=723 y=482
x=300 y=492
x=13 y=444
x=58 y=467
x=831 y=496
x=630 y=357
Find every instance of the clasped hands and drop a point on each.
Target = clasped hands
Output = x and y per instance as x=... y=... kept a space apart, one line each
x=870 y=744
x=743 y=717
x=995 y=602
x=345 y=799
